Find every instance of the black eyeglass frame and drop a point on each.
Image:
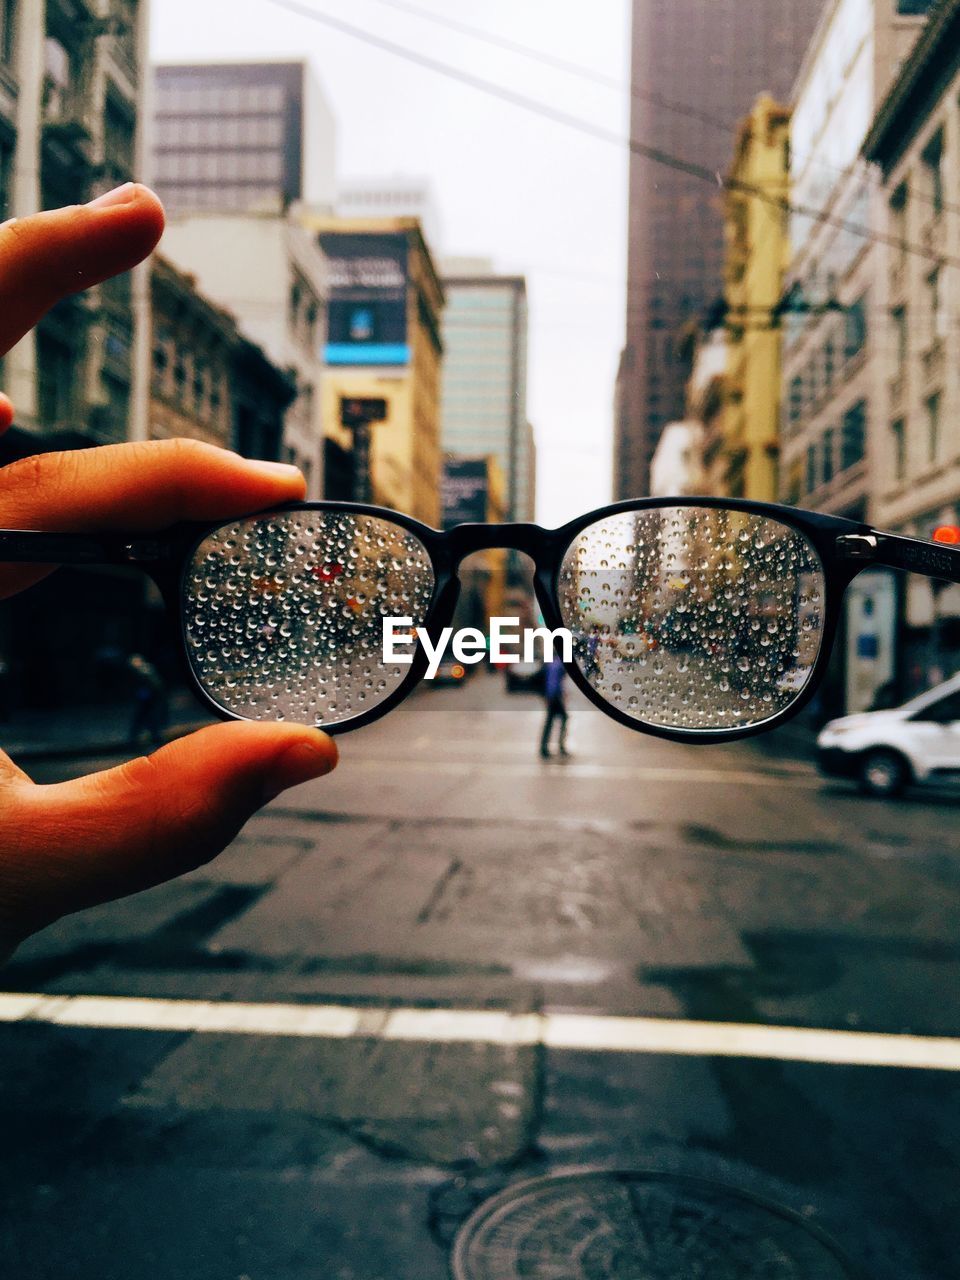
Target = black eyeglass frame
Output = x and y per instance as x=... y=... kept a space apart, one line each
x=844 y=547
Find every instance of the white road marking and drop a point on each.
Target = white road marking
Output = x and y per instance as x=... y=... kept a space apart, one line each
x=596 y=1033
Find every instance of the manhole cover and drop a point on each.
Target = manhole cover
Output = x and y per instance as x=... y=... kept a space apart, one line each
x=638 y=1226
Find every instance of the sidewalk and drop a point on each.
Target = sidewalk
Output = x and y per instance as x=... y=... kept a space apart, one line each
x=97 y=730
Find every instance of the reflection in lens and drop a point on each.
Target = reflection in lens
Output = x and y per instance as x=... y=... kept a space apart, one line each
x=283 y=613
x=694 y=618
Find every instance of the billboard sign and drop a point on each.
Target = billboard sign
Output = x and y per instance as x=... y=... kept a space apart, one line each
x=464 y=491
x=367 y=310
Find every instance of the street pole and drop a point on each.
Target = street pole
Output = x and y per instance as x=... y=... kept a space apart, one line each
x=362 y=488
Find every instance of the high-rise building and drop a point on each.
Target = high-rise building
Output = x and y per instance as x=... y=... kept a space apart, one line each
x=381 y=384
x=697 y=67
x=242 y=136
x=838 y=327
x=485 y=376
x=915 y=427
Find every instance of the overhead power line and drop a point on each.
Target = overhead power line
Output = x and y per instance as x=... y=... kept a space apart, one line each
x=654 y=154
x=591 y=76
x=577 y=69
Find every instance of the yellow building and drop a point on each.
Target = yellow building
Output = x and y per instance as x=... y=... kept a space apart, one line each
x=383 y=352
x=756 y=260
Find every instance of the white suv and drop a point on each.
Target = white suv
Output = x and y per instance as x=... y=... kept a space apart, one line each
x=887 y=750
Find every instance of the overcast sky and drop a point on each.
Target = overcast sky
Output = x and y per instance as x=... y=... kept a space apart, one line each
x=536 y=197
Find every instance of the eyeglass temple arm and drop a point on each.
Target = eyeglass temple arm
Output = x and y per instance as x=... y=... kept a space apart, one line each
x=32 y=546
x=914 y=555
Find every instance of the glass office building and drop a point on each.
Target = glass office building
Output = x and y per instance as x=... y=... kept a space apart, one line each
x=485 y=379
x=697 y=67
x=242 y=137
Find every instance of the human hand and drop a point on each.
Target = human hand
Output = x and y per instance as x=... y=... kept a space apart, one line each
x=75 y=844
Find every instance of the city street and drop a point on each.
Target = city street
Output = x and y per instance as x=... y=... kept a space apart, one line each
x=509 y=964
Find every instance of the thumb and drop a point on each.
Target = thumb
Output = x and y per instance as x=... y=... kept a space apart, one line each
x=75 y=844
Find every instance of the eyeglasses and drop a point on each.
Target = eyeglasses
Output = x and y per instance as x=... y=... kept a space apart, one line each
x=696 y=619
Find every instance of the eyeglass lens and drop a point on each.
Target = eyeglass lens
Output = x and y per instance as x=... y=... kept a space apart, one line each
x=282 y=613
x=694 y=618
x=689 y=618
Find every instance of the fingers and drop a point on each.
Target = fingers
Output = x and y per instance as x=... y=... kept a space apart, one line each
x=75 y=844
x=48 y=255
x=134 y=486
x=139 y=486
x=9 y=773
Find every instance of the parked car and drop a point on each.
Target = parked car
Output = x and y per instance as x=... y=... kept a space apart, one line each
x=886 y=751
x=524 y=677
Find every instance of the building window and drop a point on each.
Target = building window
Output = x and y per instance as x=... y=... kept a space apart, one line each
x=898 y=219
x=933 y=426
x=855 y=327
x=794 y=489
x=8 y=17
x=56 y=370
x=125 y=34
x=853 y=435
x=200 y=382
x=180 y=377
x=795 y=403
x=119 y=127
x=811 y=468
x=932 y=157
x=900 y=337
x=911 y=7
x=898 y=448
x=57 y=80
x=115 y=412
x=829 y=360
x=160 y=362
x=827 y=460
x=936 y=316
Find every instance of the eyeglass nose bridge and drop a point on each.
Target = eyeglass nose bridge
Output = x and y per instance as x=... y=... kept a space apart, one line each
x=529 y=539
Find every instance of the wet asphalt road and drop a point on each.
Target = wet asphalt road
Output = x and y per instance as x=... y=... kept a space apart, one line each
x=446 y=865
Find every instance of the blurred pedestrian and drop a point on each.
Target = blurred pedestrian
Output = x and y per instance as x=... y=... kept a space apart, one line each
x=592 y=667
x=555 y=697
x=149 y=701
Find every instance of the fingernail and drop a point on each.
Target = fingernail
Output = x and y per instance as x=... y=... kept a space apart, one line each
x=282 y=470
x=119 y=195
x=300 y=763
